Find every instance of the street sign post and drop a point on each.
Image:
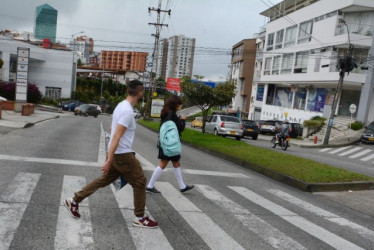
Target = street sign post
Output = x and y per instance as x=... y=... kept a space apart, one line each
x=352 y=110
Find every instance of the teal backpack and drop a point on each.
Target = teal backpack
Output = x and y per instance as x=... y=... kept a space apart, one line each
x=169 y=139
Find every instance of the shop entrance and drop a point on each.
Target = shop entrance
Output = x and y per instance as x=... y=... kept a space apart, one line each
x=348 y=97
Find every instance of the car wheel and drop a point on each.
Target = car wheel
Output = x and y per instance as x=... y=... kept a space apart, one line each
x=254 y=137
x=238 y=138
x=95 y=116
x=215 y=132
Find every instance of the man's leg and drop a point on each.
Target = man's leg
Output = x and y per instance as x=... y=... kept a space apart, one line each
x=130 y=169
x=94 y=185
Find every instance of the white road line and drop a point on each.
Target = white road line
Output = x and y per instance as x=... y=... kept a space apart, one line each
x=296 y=220
x=210 y=232
x=48 y=160
x=368 y=158
x=13 y=204
x=73 y=233
x=101 y=154
x=143 y=238
x=360 y=154
x=273 y=236
x=146 y=165
x=363 y=231
x=350 y=151
x=325 y=149
x=339 y=150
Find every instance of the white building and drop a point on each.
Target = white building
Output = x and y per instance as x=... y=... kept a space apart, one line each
x=180 y=56
x=51 y=70
x=304 y=41
x=81 y=45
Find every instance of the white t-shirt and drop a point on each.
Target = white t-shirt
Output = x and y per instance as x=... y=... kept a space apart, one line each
x=124 y=114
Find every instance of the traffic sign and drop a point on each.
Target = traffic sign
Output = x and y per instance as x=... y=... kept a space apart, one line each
x=352 y=108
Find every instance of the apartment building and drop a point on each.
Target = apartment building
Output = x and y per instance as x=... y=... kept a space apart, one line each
x=123 y=60
x=242 y=71
x=180 y=56
x=83 y=45
x=304 y=41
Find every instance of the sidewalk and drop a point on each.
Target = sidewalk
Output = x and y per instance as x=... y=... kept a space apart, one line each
x=12 y=120
x=309 y=143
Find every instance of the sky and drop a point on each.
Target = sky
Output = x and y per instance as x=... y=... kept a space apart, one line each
x=123 y=25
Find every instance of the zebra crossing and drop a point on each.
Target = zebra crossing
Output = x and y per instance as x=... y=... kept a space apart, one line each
x=352 y=152
x=78 y=234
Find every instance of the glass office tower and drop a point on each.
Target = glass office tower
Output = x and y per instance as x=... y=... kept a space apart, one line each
x=45 y=22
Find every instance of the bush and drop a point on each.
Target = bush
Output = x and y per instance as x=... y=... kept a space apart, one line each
x=356 y=125
x=312 y=123
x=33 y=93
x=8 y=90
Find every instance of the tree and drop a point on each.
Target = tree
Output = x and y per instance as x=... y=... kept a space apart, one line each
x=79 y=62
x=205 y=97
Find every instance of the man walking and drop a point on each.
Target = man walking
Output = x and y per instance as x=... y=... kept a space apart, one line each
x=121 y=159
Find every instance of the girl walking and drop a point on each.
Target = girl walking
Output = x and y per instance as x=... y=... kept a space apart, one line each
x=169 y=112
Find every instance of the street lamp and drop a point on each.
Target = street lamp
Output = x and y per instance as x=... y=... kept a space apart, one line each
x=74 y=70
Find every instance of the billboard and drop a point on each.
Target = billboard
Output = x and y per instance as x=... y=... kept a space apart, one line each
x=23 y=55
x=157 y=105
x=173 y=84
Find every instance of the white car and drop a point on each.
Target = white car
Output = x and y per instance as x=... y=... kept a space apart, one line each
x=2 y=98
x=136 y=114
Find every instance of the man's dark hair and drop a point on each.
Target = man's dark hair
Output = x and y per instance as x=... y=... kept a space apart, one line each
x=134 y=87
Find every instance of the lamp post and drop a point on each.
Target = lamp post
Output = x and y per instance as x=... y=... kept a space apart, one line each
x=74 y=70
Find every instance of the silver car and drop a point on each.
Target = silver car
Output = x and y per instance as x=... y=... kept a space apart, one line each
x=225 y=125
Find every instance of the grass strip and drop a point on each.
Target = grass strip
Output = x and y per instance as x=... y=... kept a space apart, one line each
x=297 y=167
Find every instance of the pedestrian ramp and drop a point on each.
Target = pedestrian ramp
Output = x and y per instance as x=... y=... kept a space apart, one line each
x=351 y=152
x=270 y=219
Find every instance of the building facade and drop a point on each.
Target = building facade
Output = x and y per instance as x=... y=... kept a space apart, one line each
x=180 y=56
x=51 y=70
x=304 y=41
x=45 y=23
x=162 y=56
x=83 y=45
x=123 y=60
x=242 y=72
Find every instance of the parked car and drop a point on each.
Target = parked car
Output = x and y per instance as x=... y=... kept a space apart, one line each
x=250 y=129
x=198 y=122
x=368 y=134
x=136 y=114
x=295 y=130
x=78 y=110
x=89 y=109
x=271 y=126
x=2 y=98
x=71 y=106
x=225 y=125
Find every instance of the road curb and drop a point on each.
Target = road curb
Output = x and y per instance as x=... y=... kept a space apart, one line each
x=30 y=124
x=301 y=185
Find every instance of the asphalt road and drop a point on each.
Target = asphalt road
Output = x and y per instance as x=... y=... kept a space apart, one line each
x=230 y=208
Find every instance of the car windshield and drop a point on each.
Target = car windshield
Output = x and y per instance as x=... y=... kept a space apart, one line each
x=229 y=119
x=270 y=123
x=371 y=126
x=199 y=119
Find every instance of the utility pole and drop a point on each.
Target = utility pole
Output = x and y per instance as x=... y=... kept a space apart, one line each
x=346 y=64
x=158 y=26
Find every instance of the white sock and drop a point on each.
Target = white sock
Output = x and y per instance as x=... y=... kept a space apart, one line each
x=155 y=175
x=178 y=175
x=72 y=201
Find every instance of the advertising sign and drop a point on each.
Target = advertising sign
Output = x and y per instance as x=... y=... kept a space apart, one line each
x=260 y=93
x=23 y=55
x=173 y=84
x=157 y=105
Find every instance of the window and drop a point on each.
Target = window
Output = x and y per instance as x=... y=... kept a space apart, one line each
x=317 y=19
x=267 y=66
x=53 y=93
x=279 y=39
x=334 y=13
x=276 y=64
x=300 y=97
x=270 y=42
x=290 y=37
x=287 y=62
x=301 y=62
x=317 y=65
x=305 y=32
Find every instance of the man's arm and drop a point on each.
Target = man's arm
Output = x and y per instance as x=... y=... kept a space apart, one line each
x=120 y=130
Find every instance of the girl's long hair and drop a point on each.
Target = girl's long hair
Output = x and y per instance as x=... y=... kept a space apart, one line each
x=171 y=105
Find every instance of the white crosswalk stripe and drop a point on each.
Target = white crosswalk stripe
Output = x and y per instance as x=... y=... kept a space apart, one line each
x=360 y=154
x=305 y=225
x=13 y=204
x=339 y=150
x=363 y=231
x=325 y=149
x=350 y=151
x=73 y=233
x=143 y=239
x=367 y=158
x=211 y=233
x=273 y=236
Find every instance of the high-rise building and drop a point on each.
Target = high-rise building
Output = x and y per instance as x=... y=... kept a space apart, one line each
x=84 y=46
x=45 y=22
x=123 y=60
x=175 y=57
